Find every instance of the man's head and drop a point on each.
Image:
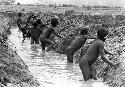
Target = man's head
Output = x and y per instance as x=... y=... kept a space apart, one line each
x=35 y=24
x=54 y=22
x=39 y=21
x=102 y=33
x=19 y=14
x=84 y=31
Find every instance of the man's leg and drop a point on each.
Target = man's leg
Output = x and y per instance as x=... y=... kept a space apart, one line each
x=43 y=45
x=43 y=49
x=84 y=66
x=70 y=54
x=51 y=44
x=36 y=40
x=32 y=40
x=23 y=38
x=19 y=26
x=93 y=73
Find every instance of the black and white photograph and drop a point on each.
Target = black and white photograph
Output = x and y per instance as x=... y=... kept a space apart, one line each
x=62 y=43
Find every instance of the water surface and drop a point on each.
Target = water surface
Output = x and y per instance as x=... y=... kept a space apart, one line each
x=52 y=70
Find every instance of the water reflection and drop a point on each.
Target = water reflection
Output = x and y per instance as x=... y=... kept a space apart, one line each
x=51 y=69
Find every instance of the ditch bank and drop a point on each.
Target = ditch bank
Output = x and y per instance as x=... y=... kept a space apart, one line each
x=13 y=71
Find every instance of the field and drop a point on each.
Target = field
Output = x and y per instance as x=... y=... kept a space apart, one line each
x=79 y=10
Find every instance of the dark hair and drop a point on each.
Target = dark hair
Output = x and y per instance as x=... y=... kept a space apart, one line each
x=19 y=14
x=84 y=31
x=35 y=23
x=102 y=33
x=38 y=21
x=54 y=22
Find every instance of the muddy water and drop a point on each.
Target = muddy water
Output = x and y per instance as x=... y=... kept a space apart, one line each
x=50 y=70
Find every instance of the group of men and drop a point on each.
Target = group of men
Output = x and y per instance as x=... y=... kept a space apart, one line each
x=91 y=55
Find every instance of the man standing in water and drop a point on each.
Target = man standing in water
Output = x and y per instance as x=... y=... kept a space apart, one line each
x=44 y=39
x=35 y=33
x=93 y=52
x=19 y=21
x=77 y=43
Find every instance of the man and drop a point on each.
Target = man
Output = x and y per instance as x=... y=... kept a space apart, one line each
x=44 y=39
x=92 y=54
x=77 y=43
x=41 y=26
x=35 y=33
x=19 y=21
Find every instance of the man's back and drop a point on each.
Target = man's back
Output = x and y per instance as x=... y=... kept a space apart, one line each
x=78 y=42
x=48 y=32
x=93 y=51
x=34 y=32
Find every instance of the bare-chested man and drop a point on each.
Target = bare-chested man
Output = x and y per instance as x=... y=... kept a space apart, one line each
x=93 y=52
x=44 y=39
x=77 y=43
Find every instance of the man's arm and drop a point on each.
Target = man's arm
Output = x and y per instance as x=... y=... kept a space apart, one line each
x=102 y=54
x=107 y=52
x=90 y=37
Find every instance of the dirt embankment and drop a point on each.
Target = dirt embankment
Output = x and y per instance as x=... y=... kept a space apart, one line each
x=13 y=70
